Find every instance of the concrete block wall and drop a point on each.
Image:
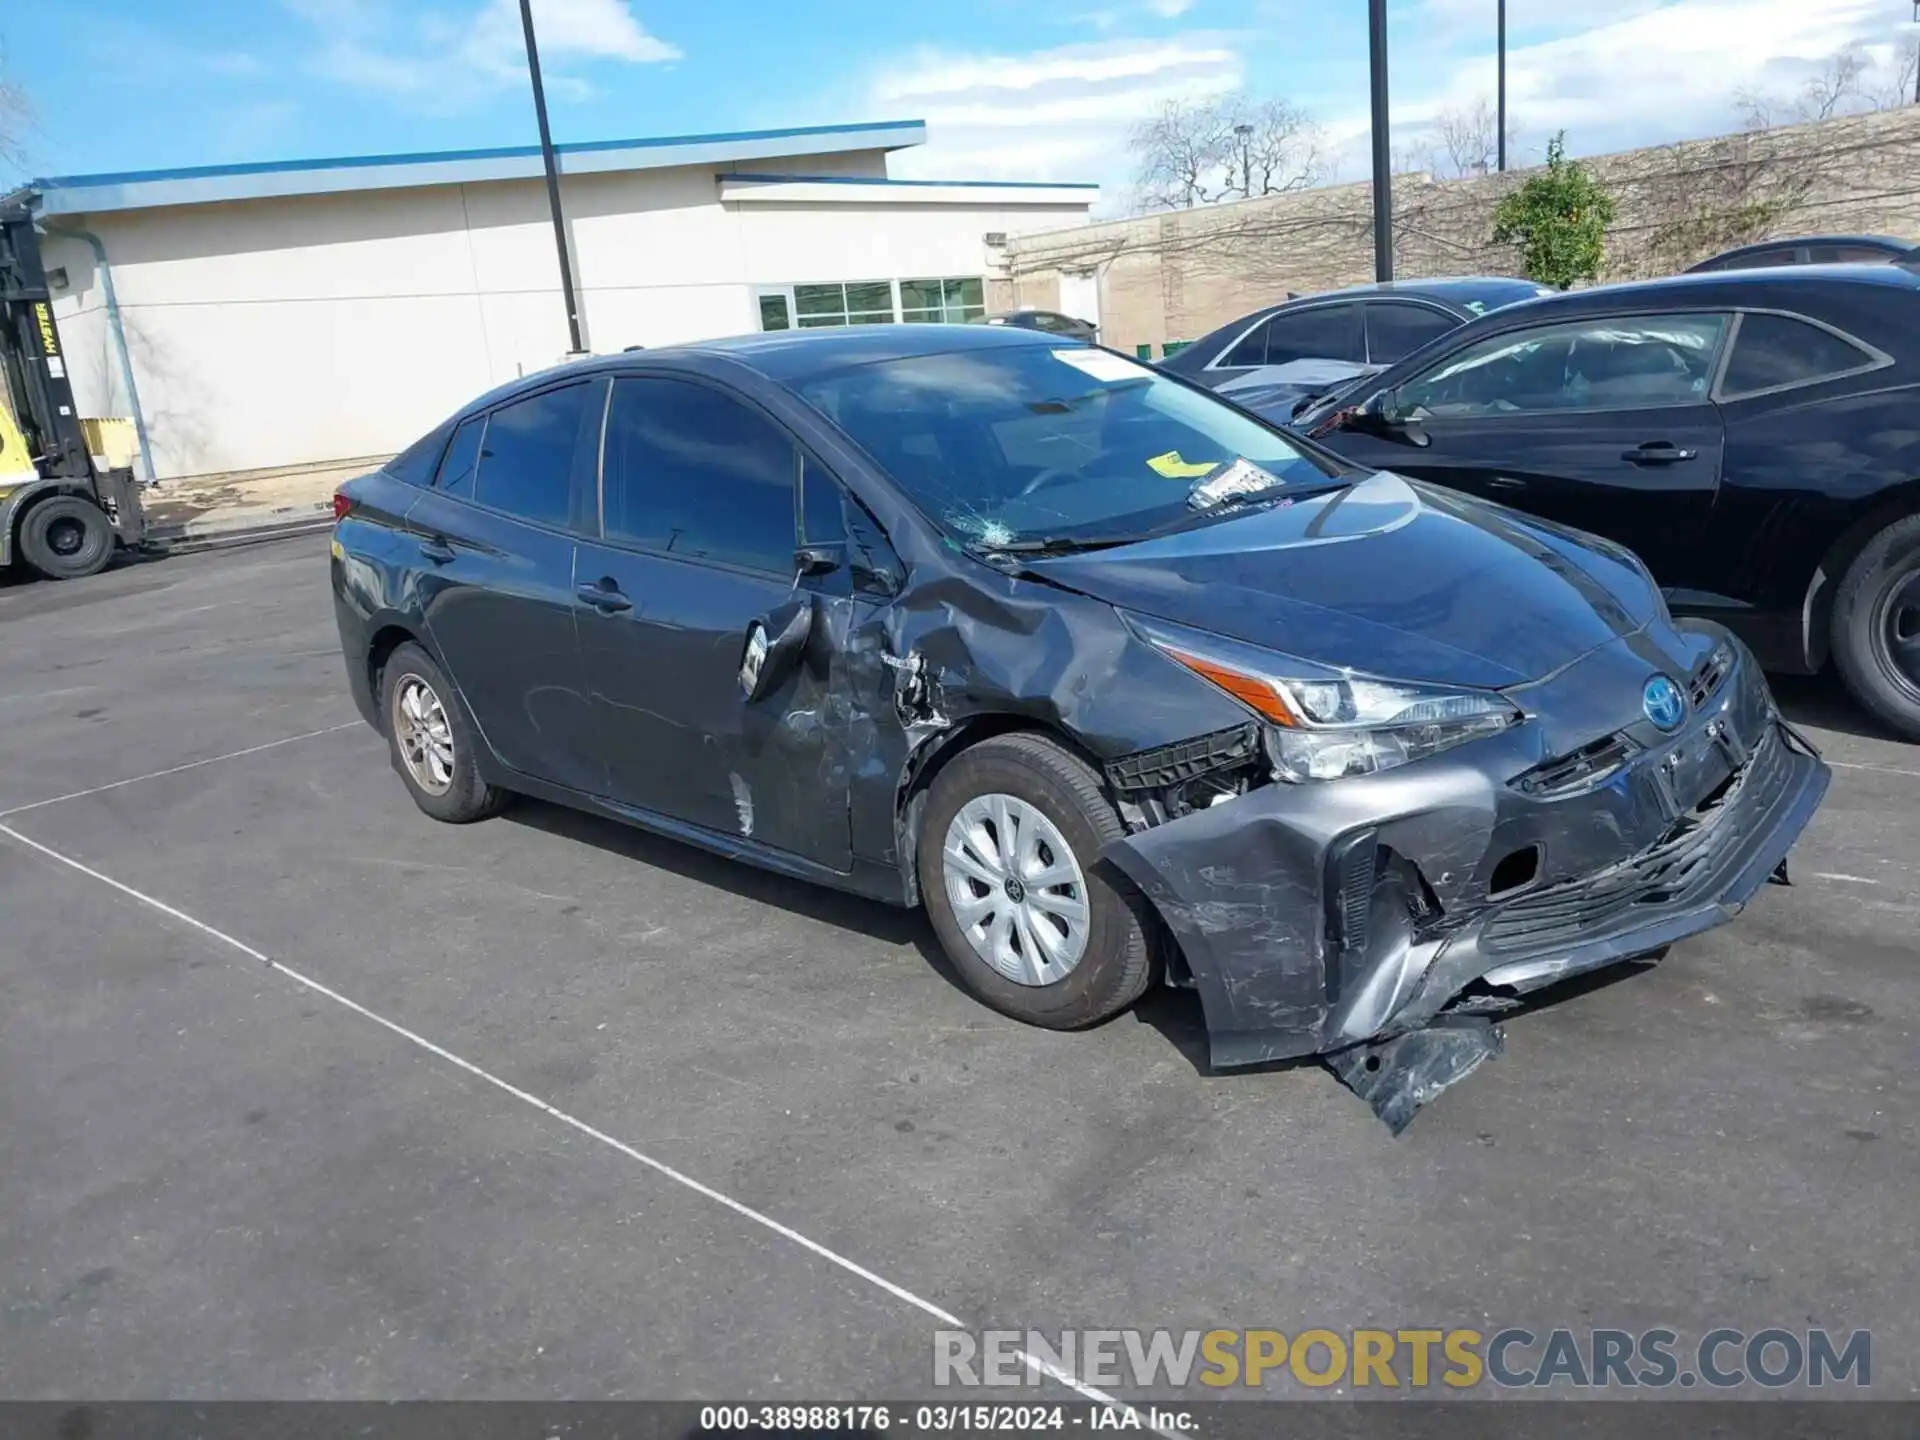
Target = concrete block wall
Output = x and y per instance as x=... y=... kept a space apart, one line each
x=1173 y=277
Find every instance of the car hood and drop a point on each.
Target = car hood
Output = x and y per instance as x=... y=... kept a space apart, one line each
x=1385 y=577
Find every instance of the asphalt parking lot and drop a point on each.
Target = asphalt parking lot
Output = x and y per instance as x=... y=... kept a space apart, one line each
x=547 y=1108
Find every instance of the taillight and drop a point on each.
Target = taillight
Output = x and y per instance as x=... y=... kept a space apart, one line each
x=342 y=503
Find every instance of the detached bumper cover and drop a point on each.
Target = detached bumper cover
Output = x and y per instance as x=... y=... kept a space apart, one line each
x=1290 y=961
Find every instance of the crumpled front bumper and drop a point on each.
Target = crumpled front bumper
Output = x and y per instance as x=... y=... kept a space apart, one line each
x=1319 y=917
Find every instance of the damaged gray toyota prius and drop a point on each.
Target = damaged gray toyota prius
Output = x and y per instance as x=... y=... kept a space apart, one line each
x=1115 y=679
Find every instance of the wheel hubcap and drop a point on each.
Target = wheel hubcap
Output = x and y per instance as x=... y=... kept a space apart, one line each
x=1017 y=892
x=1899 y=629
x=66 y=537
x=425 y=738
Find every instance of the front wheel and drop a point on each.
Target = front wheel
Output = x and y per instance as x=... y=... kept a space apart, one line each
x=1009 y=868
x=66 y=537
x=1876 y=627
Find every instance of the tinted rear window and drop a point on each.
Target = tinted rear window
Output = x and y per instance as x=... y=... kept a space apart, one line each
x=1775 y=350
x=1396 y=329
x=1327 y=332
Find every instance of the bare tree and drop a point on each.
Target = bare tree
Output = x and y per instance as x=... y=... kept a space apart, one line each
x=1227 y=149
x=1895 y=87
x=16 y=117
x=1847 y=83
x=1469 y=139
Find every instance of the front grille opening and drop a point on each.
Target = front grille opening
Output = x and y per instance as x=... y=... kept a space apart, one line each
x=1515 y=872
x=1706 y=679
x=1580 y=771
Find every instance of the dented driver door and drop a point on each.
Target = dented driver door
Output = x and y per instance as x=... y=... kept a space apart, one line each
x=699 y=546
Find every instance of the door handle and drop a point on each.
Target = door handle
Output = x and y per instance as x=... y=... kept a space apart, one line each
x=604 y=597
x=437 y=550
x=1658 y=452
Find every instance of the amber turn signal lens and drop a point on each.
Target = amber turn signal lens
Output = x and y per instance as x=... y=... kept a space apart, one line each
x=1248 y=689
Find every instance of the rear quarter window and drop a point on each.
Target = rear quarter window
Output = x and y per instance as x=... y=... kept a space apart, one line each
x=416 y=463
x=1772 y=352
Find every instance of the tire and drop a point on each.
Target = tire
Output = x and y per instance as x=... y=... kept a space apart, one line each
x=66 y=537
x=1879 y=597
x=1115 y=962
x=417 y=705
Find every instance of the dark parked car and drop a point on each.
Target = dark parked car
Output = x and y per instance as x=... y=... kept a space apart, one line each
x=1316 y=344
x=1051 y=321
x=1813 y=250
x=1753 y=435
x=1113 y=678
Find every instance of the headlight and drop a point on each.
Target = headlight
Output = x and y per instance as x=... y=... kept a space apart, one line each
x=1324 y=724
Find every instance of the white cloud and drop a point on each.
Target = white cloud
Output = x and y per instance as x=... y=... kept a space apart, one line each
x=446 y=65
x=1648 y=74
x=1057 y=114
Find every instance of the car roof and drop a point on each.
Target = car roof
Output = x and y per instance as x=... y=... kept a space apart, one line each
x=1457 y=289
x=1892 y=244
x=786 y=356
x=1460 y=293
x=1720 y=287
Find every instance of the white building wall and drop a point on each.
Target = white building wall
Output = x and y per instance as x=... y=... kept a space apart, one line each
x=317 y=328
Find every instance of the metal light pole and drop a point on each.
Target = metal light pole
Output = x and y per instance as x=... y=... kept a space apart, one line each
x=1502 y=120
x=1244 y=134
x=553 y=179
x=1382 y=143
x=1916 y=54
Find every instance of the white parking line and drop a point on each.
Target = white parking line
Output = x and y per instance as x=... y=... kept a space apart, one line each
x=1881 y=769
x=747 y=1212
x=175 y=769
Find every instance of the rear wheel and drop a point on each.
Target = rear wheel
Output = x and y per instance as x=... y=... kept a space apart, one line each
x=431 y=740
x=66 y=537
x=1008 y=859
x=1876 y=627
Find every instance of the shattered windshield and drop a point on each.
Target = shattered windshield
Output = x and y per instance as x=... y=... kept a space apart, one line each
x=1016 y=445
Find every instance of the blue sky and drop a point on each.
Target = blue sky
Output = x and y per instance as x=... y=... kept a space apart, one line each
x=1019 y=89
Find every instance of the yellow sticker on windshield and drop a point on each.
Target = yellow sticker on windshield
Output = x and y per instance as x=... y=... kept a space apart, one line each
x=1174 y=468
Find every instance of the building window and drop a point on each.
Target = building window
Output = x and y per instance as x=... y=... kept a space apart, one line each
x=865 y=302
x=871 y=302
x=942 y=301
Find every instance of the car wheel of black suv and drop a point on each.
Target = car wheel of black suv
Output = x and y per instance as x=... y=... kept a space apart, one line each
x=1009 y=868
x=1876 y=627
x=431 y=739
x=66 y=538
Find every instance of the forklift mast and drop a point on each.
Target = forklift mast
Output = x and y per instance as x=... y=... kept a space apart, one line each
x=40 y=393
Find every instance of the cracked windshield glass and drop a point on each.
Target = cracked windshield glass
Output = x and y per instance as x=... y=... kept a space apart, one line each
x=1025 y=445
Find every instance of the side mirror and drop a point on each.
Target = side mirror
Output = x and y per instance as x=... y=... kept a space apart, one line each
x=1385 y=416
x=817 y=560
x=774 y=646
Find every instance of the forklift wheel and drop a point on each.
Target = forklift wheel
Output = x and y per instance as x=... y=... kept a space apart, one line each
x=66 y=537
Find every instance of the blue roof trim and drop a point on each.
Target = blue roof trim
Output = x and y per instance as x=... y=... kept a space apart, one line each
x=439 y=157
x=942 y=184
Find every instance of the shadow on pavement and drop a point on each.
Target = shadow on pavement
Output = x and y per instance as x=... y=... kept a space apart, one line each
x=1821 y=701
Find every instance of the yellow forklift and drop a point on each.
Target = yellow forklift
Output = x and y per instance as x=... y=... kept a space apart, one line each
x=60 y=513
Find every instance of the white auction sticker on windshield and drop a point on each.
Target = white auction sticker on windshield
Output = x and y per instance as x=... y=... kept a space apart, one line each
x=1242 y=477
x=1103 y=365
